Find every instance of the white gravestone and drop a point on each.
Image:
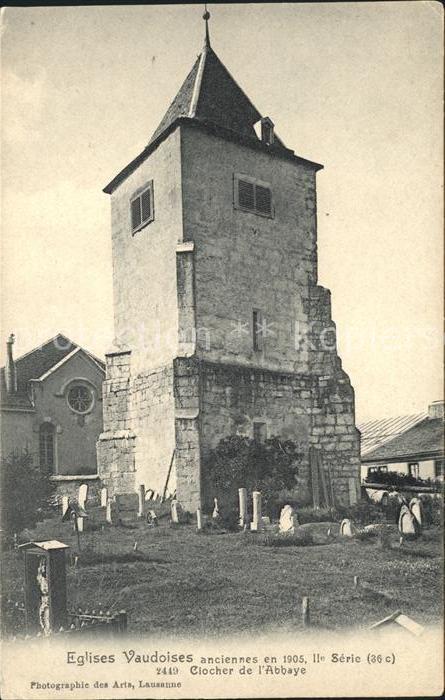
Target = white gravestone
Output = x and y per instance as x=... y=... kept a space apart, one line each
x=176 y=511
x=103 y=497
x=65 y=504
x=108 y=515
x=83 y=494
x=407 y=522
x=416 y=509
x=141 y=504
x=288 y=520
x=242 y=493
x=347 y=528
x=198 y=519
x=256 y=524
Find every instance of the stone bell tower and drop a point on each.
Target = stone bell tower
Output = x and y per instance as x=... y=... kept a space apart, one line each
x=221 y=327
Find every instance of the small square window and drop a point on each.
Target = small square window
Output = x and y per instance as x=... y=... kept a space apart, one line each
x=142 y=209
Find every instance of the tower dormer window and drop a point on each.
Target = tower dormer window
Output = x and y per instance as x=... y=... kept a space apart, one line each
x=142 y=207
x=253 y=195
x=267 y=131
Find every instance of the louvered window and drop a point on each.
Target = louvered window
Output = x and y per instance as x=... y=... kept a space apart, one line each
x=263 y=199
x=253 y=196
x=246 y=194
x=142 y=211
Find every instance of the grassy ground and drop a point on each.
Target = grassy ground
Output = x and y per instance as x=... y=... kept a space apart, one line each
x=183 y=582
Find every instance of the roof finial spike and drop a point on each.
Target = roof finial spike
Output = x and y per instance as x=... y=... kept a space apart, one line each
x=206 y=17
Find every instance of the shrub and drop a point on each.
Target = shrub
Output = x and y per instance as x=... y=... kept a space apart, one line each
x=301 y=538
x=26 y=493
x=316 y=515
x=270 y=467
x=360 y=513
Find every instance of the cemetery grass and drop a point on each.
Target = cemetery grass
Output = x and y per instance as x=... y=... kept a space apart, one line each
x=182 y=583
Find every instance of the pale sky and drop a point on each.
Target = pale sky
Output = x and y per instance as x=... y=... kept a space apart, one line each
x=357 y=87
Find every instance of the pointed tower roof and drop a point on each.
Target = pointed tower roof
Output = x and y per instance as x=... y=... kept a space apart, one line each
x=210 y=94
x=210 y=97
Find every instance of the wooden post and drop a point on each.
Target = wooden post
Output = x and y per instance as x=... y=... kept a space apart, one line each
x=242 y=493
x=164 y=493
x=76 y=528
x=79 y=524
x=305 y=612
x=199 y=519
x=121 y=621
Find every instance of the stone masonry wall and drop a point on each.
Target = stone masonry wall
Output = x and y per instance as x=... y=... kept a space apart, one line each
x=214 y=401
x=116 y=445
x=138 y=441
x=153 y=423
x=244 y=261
x=309 y=411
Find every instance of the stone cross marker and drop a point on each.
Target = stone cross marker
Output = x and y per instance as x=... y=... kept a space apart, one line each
x=256 y=524
x=288 y=520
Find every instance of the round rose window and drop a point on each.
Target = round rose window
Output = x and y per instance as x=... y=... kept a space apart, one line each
x=80 y=398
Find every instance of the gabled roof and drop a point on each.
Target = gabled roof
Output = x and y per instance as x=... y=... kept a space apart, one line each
x=425 y=439
x=377 y=432
x=36 y=363
x=211 y=98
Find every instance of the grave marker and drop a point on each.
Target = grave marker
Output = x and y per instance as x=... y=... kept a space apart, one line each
x=288 y=520
x=141 y=495
x=83 y=494
x=256 y=524
x=65 y=504
x=347 y=528
x=242 y=493
x=103 y=497
x=416 y=509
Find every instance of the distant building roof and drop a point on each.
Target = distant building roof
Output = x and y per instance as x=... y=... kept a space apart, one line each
x=34 y=364
x=210 y=98
x=378 y=432
x=423 y=440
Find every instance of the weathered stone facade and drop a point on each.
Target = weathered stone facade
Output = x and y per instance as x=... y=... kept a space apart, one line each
x=186 y=287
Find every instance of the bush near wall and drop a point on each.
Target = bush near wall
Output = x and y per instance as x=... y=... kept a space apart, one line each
x=236 y=462
x=26 y=494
